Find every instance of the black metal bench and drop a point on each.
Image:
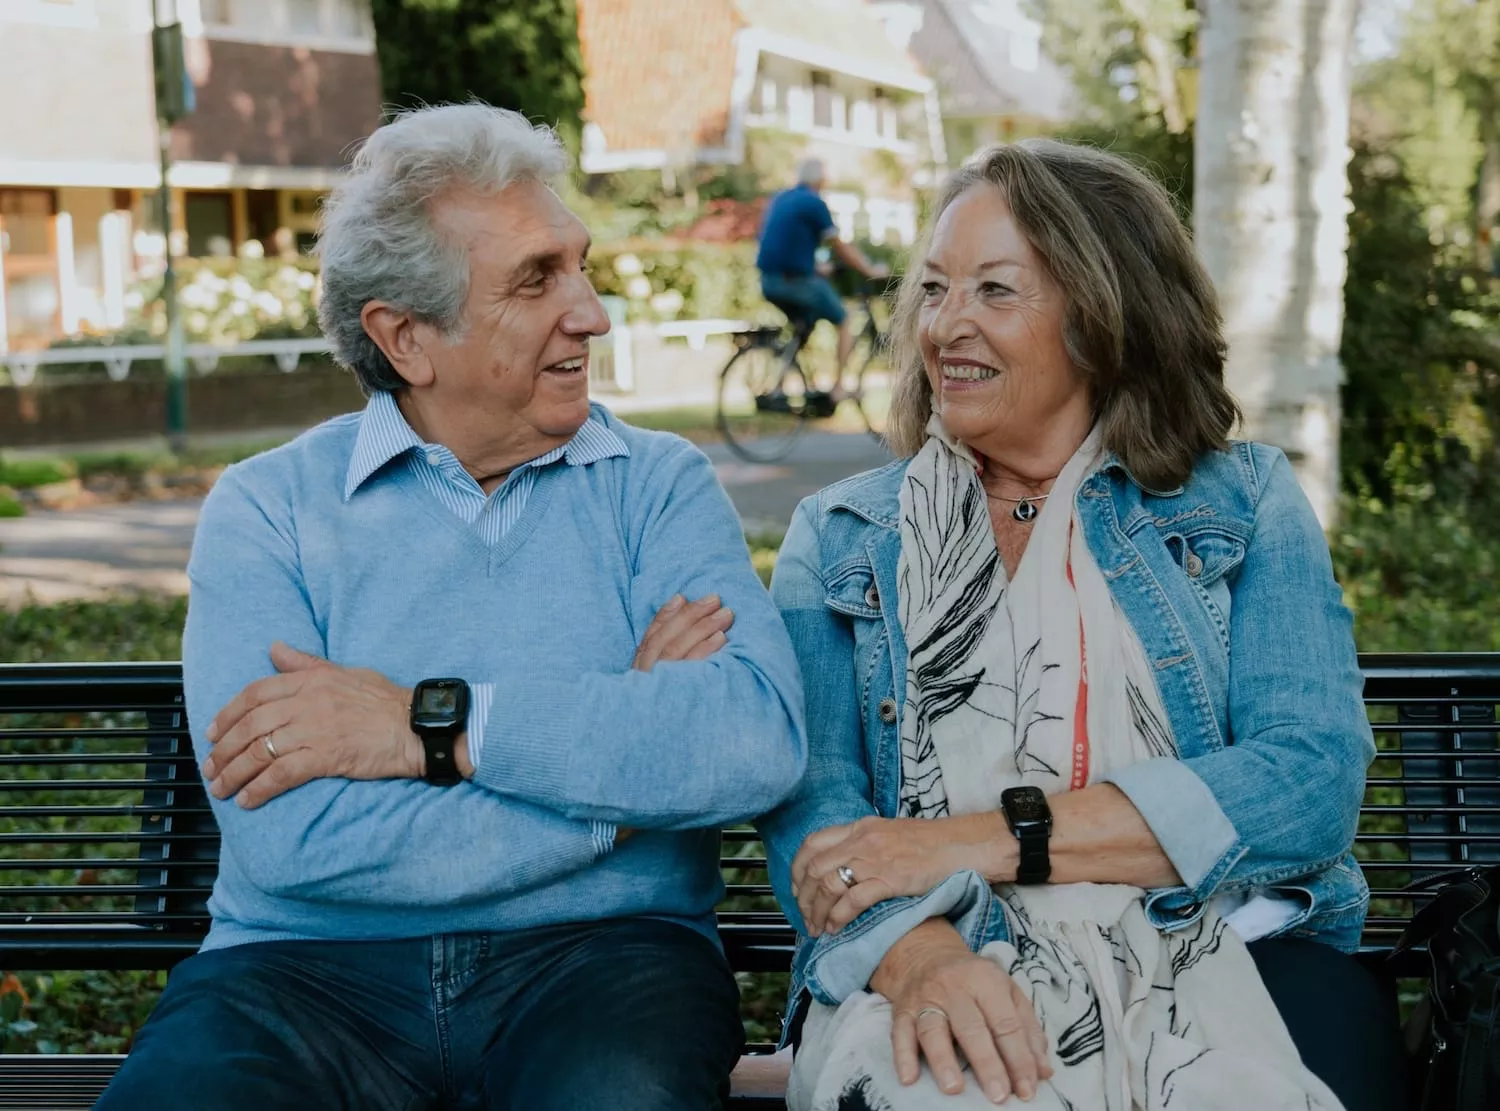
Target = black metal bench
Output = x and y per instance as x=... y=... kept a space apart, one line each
x=108 y=849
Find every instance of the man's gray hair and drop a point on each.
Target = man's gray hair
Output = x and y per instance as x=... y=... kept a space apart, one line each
x=811 y=171
x=377 y=238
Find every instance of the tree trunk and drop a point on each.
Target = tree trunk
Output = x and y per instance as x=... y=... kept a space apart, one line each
x=1163 y=67
x=1487 y=210
x=1270 y=205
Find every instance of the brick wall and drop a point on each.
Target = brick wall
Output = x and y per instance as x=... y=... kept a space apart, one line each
x=89 y=412
x=277 y=105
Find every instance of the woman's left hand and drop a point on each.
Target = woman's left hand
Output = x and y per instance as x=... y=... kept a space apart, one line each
x=890 y=857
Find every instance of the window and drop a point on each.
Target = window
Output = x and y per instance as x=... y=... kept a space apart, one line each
x=766 y=103
x=294 y=20
x=305 y=17
x=799 y=108
x=862 y=119
x=210 y=224
x=822 y=88
x=887 y=117
x=347 y=20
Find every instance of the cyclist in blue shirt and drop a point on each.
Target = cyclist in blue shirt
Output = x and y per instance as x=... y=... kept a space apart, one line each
x=796 y=224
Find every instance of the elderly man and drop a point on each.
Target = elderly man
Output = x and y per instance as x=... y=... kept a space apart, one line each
x=474 y=676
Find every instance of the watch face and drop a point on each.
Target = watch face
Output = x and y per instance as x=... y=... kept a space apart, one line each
x=440 y=701
x=1026 y=804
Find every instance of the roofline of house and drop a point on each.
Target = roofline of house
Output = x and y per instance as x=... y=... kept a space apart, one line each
x=147 y=175
x=609 y=161
x=822 y=57
x=750 y=43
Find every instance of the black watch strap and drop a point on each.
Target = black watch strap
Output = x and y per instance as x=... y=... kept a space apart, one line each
x=1036 y=862
x=442 y=768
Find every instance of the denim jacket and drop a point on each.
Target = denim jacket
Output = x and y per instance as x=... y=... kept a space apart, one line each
x=1228 y=583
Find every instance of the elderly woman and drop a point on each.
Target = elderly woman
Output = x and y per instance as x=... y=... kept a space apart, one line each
x=1084 y=707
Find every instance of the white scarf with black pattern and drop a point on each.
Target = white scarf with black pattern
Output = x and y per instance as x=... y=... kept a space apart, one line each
x=1136 y=1019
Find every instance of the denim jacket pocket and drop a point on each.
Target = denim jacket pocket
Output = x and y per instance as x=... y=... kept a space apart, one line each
x=1208 y=556
x=852 y=591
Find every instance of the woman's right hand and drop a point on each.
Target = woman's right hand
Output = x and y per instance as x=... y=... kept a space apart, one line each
x=942 y=996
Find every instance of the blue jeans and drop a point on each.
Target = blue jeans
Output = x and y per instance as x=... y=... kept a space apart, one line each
x=803 y=297
x=628 y=1014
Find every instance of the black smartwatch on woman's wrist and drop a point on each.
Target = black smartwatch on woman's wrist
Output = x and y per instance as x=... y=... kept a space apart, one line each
x=1030 y=819
x=439 y=716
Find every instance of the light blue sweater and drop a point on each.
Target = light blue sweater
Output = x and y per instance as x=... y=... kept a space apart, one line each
x=384 y=576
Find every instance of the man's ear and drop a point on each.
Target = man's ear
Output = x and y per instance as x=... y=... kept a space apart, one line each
x=400 y=337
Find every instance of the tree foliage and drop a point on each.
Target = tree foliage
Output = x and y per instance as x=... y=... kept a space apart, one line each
x=519 y=54
x=1130 y=60
x=1438 y=103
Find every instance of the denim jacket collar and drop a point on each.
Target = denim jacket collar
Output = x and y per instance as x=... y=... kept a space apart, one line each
x=876 y=495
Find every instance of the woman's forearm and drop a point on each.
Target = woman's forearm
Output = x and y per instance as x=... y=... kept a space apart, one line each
x=1098 y=836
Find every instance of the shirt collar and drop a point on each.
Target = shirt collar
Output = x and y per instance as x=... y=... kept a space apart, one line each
x=384 y=435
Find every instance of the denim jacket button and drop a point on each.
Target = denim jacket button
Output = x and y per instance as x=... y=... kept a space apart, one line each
x=1193 y=565
x=872 y=598
x=888 y=710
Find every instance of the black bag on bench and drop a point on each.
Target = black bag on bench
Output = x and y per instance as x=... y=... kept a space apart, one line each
x=1456 y=1026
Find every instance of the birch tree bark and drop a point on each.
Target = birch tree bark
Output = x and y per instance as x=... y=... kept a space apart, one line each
x=1270 y=208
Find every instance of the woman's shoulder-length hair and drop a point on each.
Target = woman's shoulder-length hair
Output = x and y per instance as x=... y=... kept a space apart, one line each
x=1142 y=321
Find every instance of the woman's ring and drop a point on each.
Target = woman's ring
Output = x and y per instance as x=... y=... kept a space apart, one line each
x=270 y=744
x=845 y=874
x=932 y=1011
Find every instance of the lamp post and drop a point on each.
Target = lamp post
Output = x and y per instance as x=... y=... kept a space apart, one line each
x=174 y=100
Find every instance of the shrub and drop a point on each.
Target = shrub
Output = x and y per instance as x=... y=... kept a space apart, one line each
x=232 y=299
x=691 y=280
x=670 y=280
x=25 y=474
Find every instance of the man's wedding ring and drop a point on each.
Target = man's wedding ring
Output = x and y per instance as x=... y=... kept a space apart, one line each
x=270 y=744
x=942 y=1014
x=846 y=874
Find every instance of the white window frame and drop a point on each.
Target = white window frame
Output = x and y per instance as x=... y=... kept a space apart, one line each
x=279 y=31
x=799 y=108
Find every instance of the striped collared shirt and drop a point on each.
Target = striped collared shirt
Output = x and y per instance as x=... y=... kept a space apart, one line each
x=385 y=436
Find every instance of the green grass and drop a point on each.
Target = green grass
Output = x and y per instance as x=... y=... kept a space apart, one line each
x=26 y=474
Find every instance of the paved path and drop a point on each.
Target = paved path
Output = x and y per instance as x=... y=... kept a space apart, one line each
x=90 y=553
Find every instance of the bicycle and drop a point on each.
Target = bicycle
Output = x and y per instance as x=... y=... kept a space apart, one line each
x=765 y=398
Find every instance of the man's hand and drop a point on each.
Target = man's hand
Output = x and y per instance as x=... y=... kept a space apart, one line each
x=313 y=719
x=941 y=995
x=684 y=630
x=890 y=857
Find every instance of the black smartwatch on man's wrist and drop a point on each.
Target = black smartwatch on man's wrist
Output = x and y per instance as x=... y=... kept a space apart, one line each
x=1030 y=819
x=439 y=716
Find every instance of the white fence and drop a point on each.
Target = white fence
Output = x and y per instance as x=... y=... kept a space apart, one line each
x=117 y=358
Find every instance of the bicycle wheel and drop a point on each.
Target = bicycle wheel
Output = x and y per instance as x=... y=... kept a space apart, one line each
x=872 y=384
x=762 y=404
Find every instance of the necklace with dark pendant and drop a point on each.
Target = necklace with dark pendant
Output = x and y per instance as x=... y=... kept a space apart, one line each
x=1025 y=510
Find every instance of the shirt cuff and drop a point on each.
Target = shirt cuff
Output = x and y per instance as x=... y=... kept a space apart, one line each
x=481 y=696
x=604 y=836
x=1186 y=818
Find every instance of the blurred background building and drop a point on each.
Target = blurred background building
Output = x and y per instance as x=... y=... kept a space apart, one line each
x=283 y=88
